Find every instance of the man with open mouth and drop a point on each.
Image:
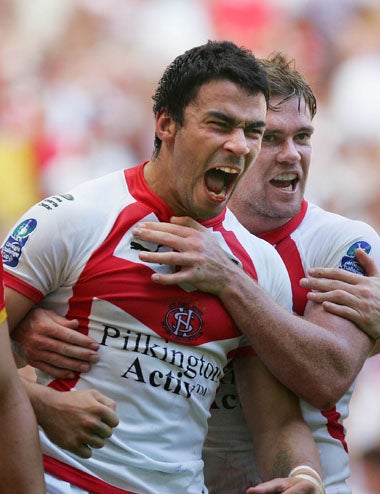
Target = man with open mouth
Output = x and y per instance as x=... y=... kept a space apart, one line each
x=137 y=420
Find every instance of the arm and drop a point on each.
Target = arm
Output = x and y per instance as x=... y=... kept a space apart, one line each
x=295 y=350
x=349 y=295
x=21 y=469
x=74 y=420
x=281 y=438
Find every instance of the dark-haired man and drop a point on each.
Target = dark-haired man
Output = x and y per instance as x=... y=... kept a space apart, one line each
x=162 y=349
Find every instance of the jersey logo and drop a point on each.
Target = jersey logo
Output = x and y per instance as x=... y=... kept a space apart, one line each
x=136 y=246
x=13 y=246
x=349 y=263
x=183 y=322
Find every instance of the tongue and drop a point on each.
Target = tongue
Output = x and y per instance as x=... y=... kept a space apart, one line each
x=214 y=181
x=282 y=184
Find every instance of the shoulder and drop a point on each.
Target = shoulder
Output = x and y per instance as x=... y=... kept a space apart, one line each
x=90 y=199
x=330 y=239
x=318 y=218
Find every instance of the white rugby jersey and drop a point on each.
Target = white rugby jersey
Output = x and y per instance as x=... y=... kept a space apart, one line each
x=162 y=348
x=314 y=238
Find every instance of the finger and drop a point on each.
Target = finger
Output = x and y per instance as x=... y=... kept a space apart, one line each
x=73 y=352
x=172 y=258
x=56 y=365
x=366 y=262
x=322 y=285
x=170 y=240
x=96 y=442
x=170 y=279
x=61 y=355
x=162 y=227
x=108 y=414
x=97 y=437
x=340 y=310
x=83 y=450
x=77 y=338
x=105 y=400
x=60 y=320
x=270 y=487
x=50 y=349
x=110 y=419
x=56 y=372
x=334 y=274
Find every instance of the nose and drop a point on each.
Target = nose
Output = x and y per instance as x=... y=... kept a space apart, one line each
x=237 y=142
x=289 y=152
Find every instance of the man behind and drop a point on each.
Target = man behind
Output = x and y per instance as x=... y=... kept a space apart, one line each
x=163 y=349
x=270 y=203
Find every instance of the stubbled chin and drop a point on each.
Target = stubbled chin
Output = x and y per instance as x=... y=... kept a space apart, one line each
x=292 y=199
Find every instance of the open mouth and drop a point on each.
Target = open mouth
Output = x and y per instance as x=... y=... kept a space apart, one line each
x=220 y=180
x=286 y=181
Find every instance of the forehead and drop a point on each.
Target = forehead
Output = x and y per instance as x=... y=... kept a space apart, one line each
x=230 y=98
x=290 y=112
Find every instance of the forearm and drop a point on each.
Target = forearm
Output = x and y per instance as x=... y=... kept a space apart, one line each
x=280 y=450
x=282 y=441
x=296 y=351
x=20 y=454
x=41 y=397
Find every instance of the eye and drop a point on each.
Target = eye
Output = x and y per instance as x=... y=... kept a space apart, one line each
x=303 y=137
x=254 y=132
x=269 y=138
x=218 y=125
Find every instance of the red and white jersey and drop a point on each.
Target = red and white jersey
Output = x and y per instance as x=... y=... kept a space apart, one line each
x=162 y=348
x=314 y=238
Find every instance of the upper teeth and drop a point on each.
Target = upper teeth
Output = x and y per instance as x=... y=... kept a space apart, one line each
x=286 y=176
x=227 y=169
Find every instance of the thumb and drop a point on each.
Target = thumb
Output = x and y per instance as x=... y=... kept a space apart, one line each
x=366 y=261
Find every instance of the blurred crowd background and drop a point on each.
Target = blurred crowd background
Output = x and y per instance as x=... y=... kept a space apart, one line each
x=76 y=81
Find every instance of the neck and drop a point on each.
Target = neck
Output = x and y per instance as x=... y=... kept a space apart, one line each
x=256 y=223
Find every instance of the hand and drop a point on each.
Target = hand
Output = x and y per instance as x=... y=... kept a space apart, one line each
x=51 y=343
x=77 y=420
x=349 y=295
x=197 y=258
x=286 y=485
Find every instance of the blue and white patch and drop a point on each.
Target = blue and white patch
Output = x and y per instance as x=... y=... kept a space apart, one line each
x=349 y=262
x=13 y=246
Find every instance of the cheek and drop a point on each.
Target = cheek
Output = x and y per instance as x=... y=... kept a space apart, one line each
x=306 y=157
x=256 y=150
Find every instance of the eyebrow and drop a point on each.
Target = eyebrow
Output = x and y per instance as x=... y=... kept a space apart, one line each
x=307 y=128
x=233 y=122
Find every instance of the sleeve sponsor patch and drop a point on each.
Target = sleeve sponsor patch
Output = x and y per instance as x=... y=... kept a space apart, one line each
x=349 y=262
x=14 y=244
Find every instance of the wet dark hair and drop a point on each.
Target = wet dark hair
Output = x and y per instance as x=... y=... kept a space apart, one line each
x=215 y=60
x=286 y=82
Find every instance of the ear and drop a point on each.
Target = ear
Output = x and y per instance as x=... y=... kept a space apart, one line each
x=166 y=128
